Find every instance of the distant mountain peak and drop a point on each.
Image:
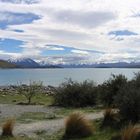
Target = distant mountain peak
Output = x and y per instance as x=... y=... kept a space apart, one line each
x=20 y=59
x=24 y=62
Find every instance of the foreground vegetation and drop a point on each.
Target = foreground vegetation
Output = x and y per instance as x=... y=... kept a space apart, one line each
x=84 y=130
x=117 y=92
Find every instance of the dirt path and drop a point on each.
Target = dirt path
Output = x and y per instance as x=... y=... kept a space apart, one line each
x=16 y=110
x=50 y=126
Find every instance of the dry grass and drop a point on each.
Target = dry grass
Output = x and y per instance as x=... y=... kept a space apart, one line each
x=132 y=132
x=7 y=128
x=77 y=126
x=110 y=117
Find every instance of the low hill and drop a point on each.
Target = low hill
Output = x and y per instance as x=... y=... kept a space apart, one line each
x=5 y=64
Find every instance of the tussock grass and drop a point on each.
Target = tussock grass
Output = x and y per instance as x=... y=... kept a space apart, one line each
x=77 y=126
x=110 y=118
x=7 y=128
x=131 y=132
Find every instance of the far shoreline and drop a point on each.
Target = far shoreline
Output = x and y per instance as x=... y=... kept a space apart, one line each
x=77 y=68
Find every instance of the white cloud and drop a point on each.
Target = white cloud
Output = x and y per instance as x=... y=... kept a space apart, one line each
x=6 y=55
x=80 y=52
x=88 y=19
x=20 y=1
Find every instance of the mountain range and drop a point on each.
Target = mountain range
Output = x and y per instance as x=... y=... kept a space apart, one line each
x=30 y=63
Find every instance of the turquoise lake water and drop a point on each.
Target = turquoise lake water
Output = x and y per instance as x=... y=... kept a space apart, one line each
x=56 y=76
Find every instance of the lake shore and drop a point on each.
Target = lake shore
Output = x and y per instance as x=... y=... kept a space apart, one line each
x=10 y=89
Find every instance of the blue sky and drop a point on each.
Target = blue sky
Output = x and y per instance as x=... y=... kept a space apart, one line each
x=81 y=31
x=16 y=19
x=10 y=45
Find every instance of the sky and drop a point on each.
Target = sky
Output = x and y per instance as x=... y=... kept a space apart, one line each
x=70 y=31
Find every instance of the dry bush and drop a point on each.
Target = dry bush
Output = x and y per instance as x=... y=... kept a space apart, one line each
x=110 y=118
x=7 y=128
x=77 y=126
x=131 y=132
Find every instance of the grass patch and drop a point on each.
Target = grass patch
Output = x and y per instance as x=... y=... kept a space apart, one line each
x=68 y=111
x=36 y=116
x=55 y=136
x=16 y=98
x=10 y=98
x=99 y=134
x=16 y=138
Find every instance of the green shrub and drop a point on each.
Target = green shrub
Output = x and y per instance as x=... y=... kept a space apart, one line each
x=77 y=126
x=136 y=80
x=74 y=94
x=128 y=102
x=109 y=89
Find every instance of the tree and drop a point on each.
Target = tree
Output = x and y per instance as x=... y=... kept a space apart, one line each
x=29 y=91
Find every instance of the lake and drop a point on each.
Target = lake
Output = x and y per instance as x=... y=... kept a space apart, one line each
x=56 y=76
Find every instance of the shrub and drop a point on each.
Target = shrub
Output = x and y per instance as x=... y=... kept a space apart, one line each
x=109 y=89
x=110 y=118
x=7 y=128
x=136 y=80
x=74 y=94
x=77 y=126
x=132 y=132
x=128 y=102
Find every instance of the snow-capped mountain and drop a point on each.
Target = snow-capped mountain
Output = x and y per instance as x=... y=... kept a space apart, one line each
x=29 y=63
x=43 y=63
x=24 y=62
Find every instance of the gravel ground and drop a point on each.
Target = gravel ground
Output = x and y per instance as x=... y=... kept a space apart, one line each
x=50 y=126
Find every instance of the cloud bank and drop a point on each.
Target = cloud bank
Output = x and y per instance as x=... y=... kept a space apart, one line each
x=81 y=31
